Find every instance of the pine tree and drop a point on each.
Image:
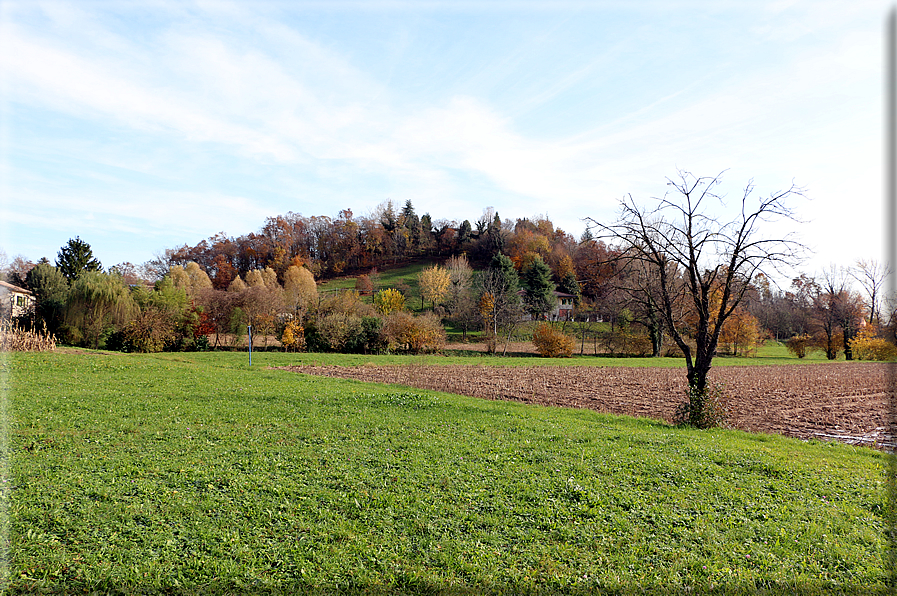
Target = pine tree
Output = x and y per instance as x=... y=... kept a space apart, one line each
x=569 y=285
x=538 y=289
x=75 y=258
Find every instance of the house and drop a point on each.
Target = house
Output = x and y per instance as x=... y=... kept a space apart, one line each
x=14 y=301
x=563 y=308
x=563 y=311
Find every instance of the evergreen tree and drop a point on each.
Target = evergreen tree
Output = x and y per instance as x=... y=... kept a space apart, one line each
x=50 y=288
x=75 y=258
x=538 y=289
x=509 y=281
x=569 y=285
x=464 y=232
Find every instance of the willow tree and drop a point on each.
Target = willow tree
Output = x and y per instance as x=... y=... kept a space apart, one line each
x=703 y=261
x=97 y=304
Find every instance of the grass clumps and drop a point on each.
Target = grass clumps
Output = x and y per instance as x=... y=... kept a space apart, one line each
x=14 y=338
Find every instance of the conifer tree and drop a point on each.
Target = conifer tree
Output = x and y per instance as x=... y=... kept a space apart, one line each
x=538 y=289
x=75 y=258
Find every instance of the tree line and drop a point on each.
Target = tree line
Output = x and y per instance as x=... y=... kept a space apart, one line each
x=490 y=275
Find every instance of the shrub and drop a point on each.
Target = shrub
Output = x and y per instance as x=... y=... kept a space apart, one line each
x=625 y=343
x=338 y=330
x=799 y=345
x=703 y=410
x=406 y=332
x=866 y=346
x=551 y=343
x=363 y=285
x=389 y=301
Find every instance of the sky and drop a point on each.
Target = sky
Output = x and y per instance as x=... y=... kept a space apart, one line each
x=145 y=125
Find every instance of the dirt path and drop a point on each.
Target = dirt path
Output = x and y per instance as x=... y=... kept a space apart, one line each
x=841 y=401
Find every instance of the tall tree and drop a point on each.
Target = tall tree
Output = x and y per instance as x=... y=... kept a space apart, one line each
x=713 y=256
x=75 y=258
x=538 y=289
x=50 y=288
x=871 y=276
x=434 y=283
x=300 y=290
x=499 y=297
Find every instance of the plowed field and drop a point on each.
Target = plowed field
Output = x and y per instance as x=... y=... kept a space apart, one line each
x=840 y=401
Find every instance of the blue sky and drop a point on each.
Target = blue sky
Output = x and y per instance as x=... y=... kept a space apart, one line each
x=141 y=126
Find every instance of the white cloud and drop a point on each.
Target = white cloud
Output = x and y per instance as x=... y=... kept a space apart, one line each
x=260 y=91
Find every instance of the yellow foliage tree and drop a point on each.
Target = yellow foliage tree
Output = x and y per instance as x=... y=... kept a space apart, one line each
x=551 y=343
x=741 y=332
x=293 y=338
x=866 y=346
x=389 y=301
x=191 y=278
x=434 y=284
x=299 y=288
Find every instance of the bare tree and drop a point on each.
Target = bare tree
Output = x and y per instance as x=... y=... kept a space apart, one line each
x=845 y=307
x=871 y=276
x=716 y=261
x=640 y=285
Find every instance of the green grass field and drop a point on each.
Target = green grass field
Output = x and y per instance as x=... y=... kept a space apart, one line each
x=405 y=276
x=197 y=474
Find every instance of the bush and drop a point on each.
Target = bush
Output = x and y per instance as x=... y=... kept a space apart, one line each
x=866 y=346
x=420 y=334
x=705 y=410
x=799 y=345
x=389 y=301
x=625 y=343
x=367 y=338
x=551 y=343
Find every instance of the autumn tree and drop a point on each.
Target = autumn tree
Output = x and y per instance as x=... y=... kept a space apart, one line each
x=237 y=285
x=741 y=332
x=840 y=306
x=638 y=284
x=434 y=283
x=461 y=301
x=161 y=318
x=16 y=272
x=217 y=308
x=871 y=275
x=499 y=303
x=711 y=253
x=191 y=278
x=388 y=301
x=299 y=289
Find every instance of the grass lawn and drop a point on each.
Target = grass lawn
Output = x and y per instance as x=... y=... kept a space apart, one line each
x=405 y=276
x=194 y=473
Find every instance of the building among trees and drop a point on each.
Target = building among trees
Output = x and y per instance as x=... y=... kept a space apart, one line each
x=14 y=301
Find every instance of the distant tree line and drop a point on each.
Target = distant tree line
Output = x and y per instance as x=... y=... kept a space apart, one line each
x=486 y=276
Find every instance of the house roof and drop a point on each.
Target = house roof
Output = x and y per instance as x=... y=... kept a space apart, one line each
x=11 y=288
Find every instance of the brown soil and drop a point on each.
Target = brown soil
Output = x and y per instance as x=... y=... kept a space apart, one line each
x=835 y=401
